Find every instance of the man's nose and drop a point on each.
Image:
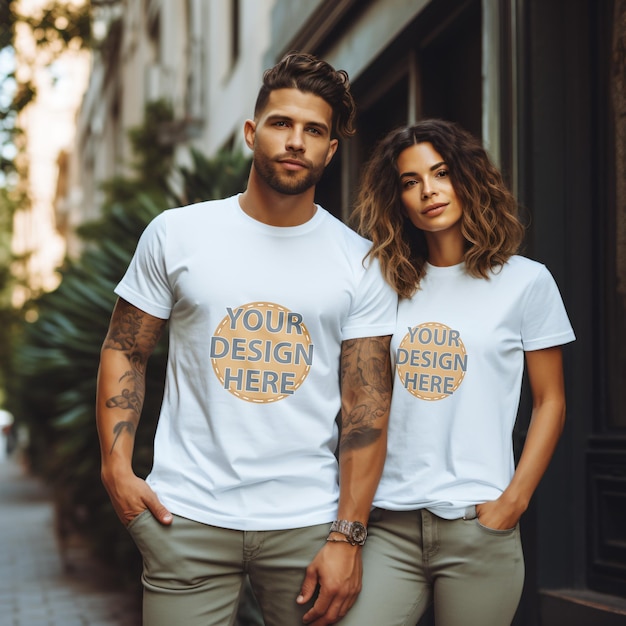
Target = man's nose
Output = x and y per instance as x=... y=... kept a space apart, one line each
x=295 y=140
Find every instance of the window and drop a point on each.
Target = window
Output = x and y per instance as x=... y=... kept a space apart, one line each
x=235 y=28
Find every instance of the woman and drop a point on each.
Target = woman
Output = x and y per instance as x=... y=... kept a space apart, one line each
x=445 y=528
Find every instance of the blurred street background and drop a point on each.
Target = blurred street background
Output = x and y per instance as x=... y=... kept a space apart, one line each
x=112 y=111
x=37 y=586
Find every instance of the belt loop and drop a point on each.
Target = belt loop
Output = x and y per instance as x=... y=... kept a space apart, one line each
x=470 y=513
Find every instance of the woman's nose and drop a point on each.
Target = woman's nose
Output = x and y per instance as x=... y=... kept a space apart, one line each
x=427 y=191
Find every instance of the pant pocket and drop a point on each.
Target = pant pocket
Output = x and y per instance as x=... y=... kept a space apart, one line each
x=495 y=531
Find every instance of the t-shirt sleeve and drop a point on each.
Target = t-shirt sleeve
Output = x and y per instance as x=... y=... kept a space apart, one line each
x=545 y=321
x=374 y=308
x=145 y=283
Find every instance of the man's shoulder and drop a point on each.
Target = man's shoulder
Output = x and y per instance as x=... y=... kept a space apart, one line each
x=348 y=234
x=200 y=218
x=208 y=208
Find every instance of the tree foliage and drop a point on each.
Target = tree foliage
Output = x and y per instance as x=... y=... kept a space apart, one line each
x=9 y=317
x=55 y=27
x=59 y=25
x=7 y=19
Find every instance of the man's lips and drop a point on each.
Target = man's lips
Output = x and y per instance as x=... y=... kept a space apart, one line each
x=293 y=164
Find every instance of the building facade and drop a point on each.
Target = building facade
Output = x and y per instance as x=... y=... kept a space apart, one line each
x=204 y=58
x=544 y=84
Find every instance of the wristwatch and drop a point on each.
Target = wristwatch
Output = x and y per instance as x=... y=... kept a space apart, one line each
x=355 y=532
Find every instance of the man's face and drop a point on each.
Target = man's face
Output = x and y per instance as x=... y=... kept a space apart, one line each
x=291 y=140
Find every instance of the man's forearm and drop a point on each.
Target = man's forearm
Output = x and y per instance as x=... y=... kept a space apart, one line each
x=366 y=397
x=121 y=379
x=118 y=406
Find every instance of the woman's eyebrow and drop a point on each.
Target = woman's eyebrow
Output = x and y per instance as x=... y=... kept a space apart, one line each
x=432 y=168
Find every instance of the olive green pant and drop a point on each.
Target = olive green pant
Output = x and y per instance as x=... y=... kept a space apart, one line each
x=473 y=575
x=193 y=574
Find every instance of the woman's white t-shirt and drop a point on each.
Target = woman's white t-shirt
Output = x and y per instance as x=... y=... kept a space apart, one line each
x=458 y=357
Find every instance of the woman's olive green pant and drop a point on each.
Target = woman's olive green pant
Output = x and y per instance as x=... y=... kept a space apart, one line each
x=473 y=574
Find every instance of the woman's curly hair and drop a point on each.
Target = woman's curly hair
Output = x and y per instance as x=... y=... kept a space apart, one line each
x=490 y=224
x=298 y=70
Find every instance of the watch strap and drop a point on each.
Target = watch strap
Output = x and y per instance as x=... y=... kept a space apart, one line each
x=355 y=532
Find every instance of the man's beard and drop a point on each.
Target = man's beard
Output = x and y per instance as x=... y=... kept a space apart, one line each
x=286 y=182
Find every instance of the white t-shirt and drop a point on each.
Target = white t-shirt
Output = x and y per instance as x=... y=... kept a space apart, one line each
x=458 y=356
x=246 y=434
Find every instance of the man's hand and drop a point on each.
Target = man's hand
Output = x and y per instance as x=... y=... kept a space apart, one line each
x=130 y=496
x=337 y=570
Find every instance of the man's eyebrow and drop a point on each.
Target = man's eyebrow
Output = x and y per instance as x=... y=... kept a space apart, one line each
x=276 y=117
x=432 y=169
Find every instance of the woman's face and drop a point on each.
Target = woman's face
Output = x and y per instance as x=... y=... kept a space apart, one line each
x=426 y=190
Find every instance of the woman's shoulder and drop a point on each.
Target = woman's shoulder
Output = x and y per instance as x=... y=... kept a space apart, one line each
x=518 y=264
x=526 y=274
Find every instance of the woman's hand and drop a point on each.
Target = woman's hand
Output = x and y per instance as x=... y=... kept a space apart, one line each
x=498 y=514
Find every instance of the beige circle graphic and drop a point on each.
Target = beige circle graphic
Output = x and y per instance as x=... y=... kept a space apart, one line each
x=261 y=352
x=431 y=361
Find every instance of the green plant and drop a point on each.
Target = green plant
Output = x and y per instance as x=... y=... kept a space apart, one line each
x=58 y=361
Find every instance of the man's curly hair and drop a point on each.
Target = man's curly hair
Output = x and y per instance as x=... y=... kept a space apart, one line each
x=302 y=71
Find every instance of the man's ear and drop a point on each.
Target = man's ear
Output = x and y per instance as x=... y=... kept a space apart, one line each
x=332 y=148
x=249 y=133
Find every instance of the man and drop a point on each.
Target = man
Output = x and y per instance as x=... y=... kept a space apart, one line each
x=272 y=310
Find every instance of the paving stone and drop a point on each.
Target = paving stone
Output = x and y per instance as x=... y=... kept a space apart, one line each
x=35 y=588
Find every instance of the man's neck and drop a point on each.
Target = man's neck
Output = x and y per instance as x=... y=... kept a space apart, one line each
x=265 y=205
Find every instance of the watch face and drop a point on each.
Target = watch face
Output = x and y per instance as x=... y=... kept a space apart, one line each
x=354 y=531
x=359 y=533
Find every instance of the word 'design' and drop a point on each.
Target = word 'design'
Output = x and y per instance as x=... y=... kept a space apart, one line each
x=261 y=352
x=431 y=361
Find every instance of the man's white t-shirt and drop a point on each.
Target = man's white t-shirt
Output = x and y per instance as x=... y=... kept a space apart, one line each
x=257 y=314
x=458 y=357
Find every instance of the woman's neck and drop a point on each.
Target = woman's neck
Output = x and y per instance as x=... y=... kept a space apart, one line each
x=445 y=248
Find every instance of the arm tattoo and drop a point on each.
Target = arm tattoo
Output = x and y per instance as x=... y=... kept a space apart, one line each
x=366 y=390
x=119 y=428
x=135 y=334
x=129 y=326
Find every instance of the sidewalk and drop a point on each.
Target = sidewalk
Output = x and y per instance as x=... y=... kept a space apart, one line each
x=35 y=589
